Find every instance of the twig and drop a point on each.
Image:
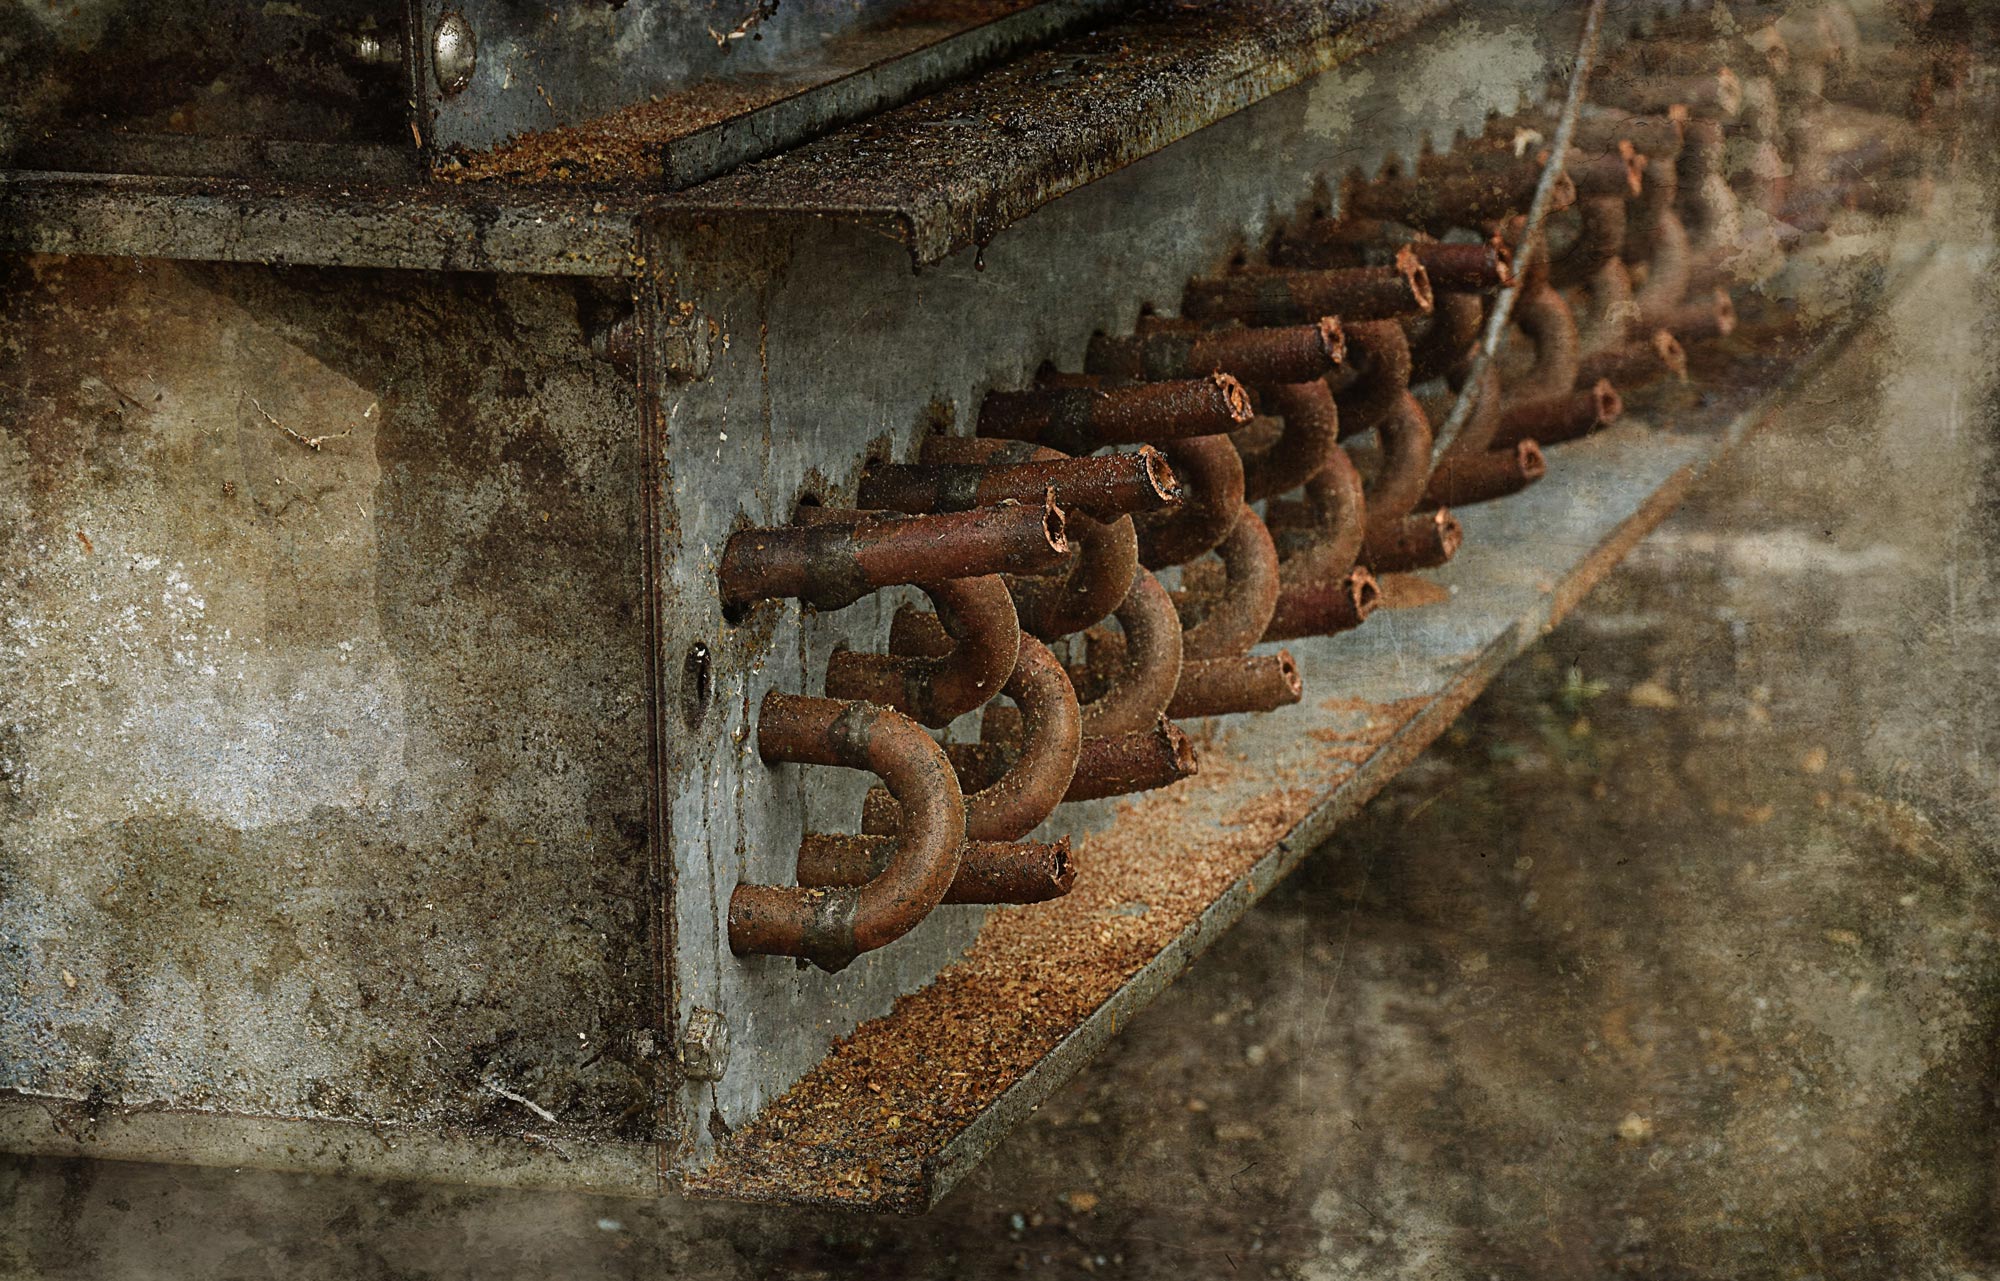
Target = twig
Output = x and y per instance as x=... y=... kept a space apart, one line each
x=527 y=1103
x=1503 y=306
x=310 y=442
x=758 y=12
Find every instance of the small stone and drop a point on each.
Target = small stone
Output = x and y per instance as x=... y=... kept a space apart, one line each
x=1654 y=695
x=69 y=980
x=1196 y=1105
x=1081 y=1202
x=1814 y=761
x=1635 y=1129
x=1843 y=938
x=1255 y=1055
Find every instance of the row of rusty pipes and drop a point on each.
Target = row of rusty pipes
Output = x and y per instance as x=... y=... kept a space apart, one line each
x=1308 y=383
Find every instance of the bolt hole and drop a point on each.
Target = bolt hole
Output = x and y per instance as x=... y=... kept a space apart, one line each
x=697 y=684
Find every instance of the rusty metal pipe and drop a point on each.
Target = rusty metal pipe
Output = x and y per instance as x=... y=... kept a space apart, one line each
x=1149 y=667
x=1613 y=310
x=1462 y=479
x=1635 y=363
x=1235 y=620
x=1601 y=131
x=1379 y=353
x=1325 y=607
x=1244 y=683
x=1437 y=205
x=981 y=639
x=988 y=871
x=1095 y=580
x=1310 y=438
x=1715 y=95
x=1406 y=468
x=1415 y=542
x=1320 y=589
x=830 y=927
x=1322 y=243
x=1554 y=419
x=1466 y=269
x=1104 y=487
x=843 y=556
x=1139 y=761
x=1543 y=315
x=1047 y=743
x=1255 y=357
x=1211 y=473
x=1448 y=340
x=1084 y=419
x=1289 y=295
x=1617 y=172
x=1602 y=229
x=1667 y=272
x=1104 y=553
x=1700 y=319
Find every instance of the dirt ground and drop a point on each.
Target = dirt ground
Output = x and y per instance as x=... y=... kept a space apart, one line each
x=1677 y=958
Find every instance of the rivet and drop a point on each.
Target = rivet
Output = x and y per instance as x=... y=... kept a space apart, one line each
x=454 y=53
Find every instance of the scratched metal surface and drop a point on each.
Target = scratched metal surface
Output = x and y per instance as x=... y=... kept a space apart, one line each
x=322 y=770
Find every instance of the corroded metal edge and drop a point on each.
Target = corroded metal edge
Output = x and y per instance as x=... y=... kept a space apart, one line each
x=978 y=156
x=419 y=226
x=957 y=1155
x=971 y=159
x=48 y=1127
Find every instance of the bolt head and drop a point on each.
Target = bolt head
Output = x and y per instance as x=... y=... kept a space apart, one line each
x=704 y=1048
x=454 y=53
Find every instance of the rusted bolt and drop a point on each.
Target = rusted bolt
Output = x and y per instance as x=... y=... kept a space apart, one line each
x=841 y=556
x=1289 y=296
x=1256 y=357
x=980 y=639
x=454 y=53
x=1554 y=419
x=988 y=871
x=1084 y=419
x=704 y=1046
x=830 y=927
x=1245 y=683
